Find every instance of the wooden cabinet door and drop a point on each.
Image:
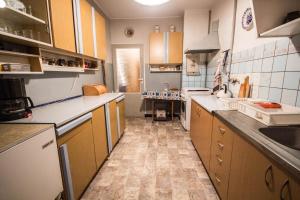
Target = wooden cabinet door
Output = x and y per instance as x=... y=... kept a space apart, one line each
x=100 y=138
x=81 y=157
x=248 y=171
x=157 y=49
x=295 y=189
x=175 y=47
x=63 y=24
x=195 y=129
x=87 y=28
x=100 y=35
x=205 y=126
x=121 y=105
x=113 y=122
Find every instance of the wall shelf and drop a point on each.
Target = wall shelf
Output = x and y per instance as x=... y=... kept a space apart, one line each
x=289 y=29
x=19 y=17
x=13 y=53
x=21 y=73
x=21 y=40
x=90 y=69
x=54 y=68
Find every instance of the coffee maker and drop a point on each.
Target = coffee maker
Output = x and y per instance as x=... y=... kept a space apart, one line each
x=14 y=104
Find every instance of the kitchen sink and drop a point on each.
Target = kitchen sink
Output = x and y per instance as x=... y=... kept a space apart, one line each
x=287 y=136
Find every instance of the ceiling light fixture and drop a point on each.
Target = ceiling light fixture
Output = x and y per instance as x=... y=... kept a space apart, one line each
x=151 y=2
x=2 y=4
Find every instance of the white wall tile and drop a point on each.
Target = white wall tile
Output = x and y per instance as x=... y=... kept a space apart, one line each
x=293 y=62
x=275 y=95
x=263 y=92
x=259 y=52
x=257 y=65
x=291 y=80
x=269 y=49
x=277 y=79
x=267 y=64
x=289 y=97
x=265 y=79
x=279 y=63
x=282 y=46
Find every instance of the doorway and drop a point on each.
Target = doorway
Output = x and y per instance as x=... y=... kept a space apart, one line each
x=129 y=76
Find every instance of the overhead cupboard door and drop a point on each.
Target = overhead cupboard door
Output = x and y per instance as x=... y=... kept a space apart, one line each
x=87 y=28
x=63 y=24
x=100 y=35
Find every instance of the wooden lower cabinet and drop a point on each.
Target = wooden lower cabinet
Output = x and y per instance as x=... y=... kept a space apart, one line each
x=254 y=176
x=100 y=137
x=113 y=122
x=79 y=143
x=220 y=160
x=121 y=105
x=201 y=128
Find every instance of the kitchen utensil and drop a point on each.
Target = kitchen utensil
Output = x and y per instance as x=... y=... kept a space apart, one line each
x=268 y=104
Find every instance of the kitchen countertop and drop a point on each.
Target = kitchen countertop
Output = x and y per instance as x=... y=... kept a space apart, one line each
x=13 y=134
x=209 y=102
x=248 y=128
x=63 y=112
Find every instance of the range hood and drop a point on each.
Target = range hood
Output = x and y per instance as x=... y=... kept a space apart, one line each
x=209 y=43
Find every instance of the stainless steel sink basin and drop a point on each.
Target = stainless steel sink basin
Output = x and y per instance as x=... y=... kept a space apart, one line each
x=287 y=136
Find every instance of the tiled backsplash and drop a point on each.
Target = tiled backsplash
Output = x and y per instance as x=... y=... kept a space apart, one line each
x=273 y=68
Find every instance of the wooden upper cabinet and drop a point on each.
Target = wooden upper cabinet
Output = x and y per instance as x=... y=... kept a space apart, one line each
x=175 y=47
x=157 y=49
x=63 y=24
x=100 y=35
x=87 y=28
x=166 y=48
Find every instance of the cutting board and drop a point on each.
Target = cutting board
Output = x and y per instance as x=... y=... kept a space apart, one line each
x=245 y=88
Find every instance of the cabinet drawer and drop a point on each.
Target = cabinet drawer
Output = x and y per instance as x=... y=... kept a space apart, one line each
x=222 y=141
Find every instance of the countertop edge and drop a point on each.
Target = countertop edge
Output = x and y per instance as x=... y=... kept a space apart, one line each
x=16 y=142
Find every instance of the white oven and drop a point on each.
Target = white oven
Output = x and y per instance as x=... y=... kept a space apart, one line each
x=186 y=94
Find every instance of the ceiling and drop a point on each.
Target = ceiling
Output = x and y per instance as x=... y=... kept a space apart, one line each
x=129 y=9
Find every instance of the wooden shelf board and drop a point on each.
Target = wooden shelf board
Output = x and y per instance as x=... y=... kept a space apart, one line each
x=289 y=29
x=12 y=53
x=89 y=69
x=21 y=39
x=19 y=17
x=15 y=73
x=53 y=68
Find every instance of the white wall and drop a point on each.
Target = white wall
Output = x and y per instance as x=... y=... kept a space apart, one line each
x=142 y=28
x=246 y=39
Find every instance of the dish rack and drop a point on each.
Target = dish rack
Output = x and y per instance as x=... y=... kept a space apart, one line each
x=231 y=103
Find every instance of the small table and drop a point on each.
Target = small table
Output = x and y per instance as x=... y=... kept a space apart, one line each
x=155 y=100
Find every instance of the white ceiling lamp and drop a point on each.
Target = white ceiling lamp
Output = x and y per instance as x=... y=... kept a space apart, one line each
x=151 y=2
x=2 y=4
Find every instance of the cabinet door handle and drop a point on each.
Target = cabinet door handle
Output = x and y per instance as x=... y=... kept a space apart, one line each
x=222 y=130
x=269 y=177
x=221 y=146
x=48 y=144
x=220 y=161
x=285 y=191
x=217 y=179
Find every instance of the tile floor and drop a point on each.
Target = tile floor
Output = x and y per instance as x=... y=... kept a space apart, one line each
x=152 y=161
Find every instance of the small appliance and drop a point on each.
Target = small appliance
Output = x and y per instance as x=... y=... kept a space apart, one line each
x=14 y=104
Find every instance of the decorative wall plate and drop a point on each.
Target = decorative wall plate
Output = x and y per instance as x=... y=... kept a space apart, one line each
x=129 y=32
x=247 y=20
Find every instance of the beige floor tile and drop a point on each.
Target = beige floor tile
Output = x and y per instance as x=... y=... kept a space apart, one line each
x=152 y=161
